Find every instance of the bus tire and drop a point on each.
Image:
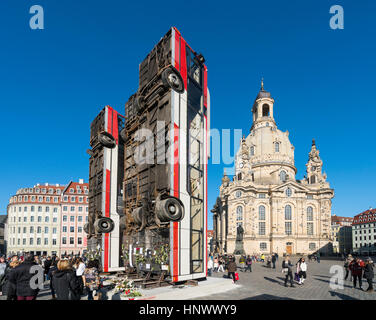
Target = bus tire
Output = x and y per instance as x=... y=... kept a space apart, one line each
x=169 y=209
x=107 y=140
x=172 y=78
x=104 y=225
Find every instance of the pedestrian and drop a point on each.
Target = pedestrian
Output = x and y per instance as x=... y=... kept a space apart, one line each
x=221 y=263
x=3 y=266
x=80 y=268
x=318 y=256
x=302 y=271
x=248 y=264
x=232 y=267
x=286 y=269
x=346 y=266
x=216 y=264
x=21 y=278
x=274 y=259
x=47 y=264
x=65 y=282
x=368 y=274
x=242 y=263
x=52 y=270
x=92 y=280
x=262 y=258
x=356 y=272
x=210 y=266
x=10 y=288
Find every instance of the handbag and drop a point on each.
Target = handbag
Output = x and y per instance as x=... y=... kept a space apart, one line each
x=296 y=277
x=236 y=276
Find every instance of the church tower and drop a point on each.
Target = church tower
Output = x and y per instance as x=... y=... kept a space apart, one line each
x=262 y=109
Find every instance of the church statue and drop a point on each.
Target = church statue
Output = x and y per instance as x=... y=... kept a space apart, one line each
x=239 y=233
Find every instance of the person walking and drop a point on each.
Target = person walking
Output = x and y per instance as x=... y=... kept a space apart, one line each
x=368 y=274
x=347 y=265
x=248 y=263
x=242 y=263
x=3 y=267
x=92 y=280
x=356 y=272
x=302 y=271
x=80 y=268
x=221 y=263
x=216 y=264
x=286 y=269
x=47 y=264
x=232 y=267
x=65 y=282
x=9 y=288
x=274 y=259
x=52 y=270
x=210 y=266
x=318 y=256
x=21 y=276
x=262 y=258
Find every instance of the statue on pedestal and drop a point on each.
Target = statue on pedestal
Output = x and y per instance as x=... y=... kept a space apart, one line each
x=239 y=249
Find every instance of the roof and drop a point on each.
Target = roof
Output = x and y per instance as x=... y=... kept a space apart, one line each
x=365 y=217
x=337 y=219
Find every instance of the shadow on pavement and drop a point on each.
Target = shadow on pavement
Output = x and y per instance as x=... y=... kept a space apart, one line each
x=274 y=280
x=341 y=296
x=267 y=297
x=329 y=282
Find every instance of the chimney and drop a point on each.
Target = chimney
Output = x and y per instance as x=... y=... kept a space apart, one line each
x=81 y=181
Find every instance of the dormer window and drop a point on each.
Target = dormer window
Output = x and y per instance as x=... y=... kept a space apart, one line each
x=71 y=190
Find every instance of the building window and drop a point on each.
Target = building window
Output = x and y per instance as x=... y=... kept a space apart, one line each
x=39 y=209
x=288 y=212
x=54 y=230
x=263 y=246
x=252 y=151
x=45 y=241
x=64 y=218
x=39 y=229
x=46 y=219
x=65 y=208
x=39 y=219
x=239 y=213
x=71 y=240
x=38 y=241
x=32 y=219
x=79 y=218
x=25 y=209
x=73 y=209
x=312 y=246
x=64 y=240
x=71 y=229
x=262 y=195
x=288 y=192
x=31 y=229
x=309 y=214
x=32 y=208
x=238 y=194
x=55 y=210
x=79 y=240
x=309 y=196
x=45 y=229
x=79 y=229
x=31 y=241
x=282 y=176
x=276 y=147
x=261 y=228
x=288 y=228
x=310 y=228
x=54 y=219
x=47 y=209
x=79 y=209
x=313 y=179
x=261 y=213
x=64 y=228
x=54 y=242
x=71 y=218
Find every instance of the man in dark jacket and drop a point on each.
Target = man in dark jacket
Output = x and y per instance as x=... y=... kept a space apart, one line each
x=356 y=271
x=21 y=278
x=274 y=259
x=286 y=269
x=47 y=265
x=368 y=274
x=232 y=267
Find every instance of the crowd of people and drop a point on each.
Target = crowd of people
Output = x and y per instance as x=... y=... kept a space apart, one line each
x=357 y=269
x=69 y=277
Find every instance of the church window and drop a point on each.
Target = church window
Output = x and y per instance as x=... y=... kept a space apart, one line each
x=238 y=194
x=313 y=179
x=276 y=147
x=261 y=228
x=288 y=213
x=312 y=246
x=309 y=196
x=288 y=228
x=252 y=151
x=262 y=195
x=288 y=192
x=265 y=110
x=310 y=228
x=282 y=176
x=263 y=245
x=309 y=214
x=239 y=213
x=261 y=213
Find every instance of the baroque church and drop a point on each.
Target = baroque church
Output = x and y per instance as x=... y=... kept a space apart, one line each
x=264 y=208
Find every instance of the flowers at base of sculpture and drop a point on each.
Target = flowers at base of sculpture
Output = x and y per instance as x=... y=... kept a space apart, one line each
x=126 y=288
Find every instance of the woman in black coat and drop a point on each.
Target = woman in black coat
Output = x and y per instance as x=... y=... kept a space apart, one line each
x=65 y=283
x=368 y=274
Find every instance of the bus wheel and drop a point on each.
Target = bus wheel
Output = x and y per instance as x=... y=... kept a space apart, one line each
x=171 y=78
x=104 y=225
x=107 y=140
x=170 y=209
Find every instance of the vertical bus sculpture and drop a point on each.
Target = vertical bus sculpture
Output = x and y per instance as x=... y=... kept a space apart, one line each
x=166 y=148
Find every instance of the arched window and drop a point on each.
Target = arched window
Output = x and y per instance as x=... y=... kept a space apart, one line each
x=261 y=213
x=265 y=110
x=276 y=147
x=313 y=179
x=310 y=214
x=288 y=215
x=252 y=151
x=239 y=213
x=282 y=176
x=240 y=176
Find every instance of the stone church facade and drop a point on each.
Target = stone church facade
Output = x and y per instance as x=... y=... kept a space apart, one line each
x=277 y=212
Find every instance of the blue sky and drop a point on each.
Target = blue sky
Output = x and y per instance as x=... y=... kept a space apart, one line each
x=54 y=81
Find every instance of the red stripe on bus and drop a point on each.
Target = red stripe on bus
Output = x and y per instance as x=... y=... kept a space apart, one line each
x=177 y=51
x=205 y=86
x=183 y=63
x=107 y=214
